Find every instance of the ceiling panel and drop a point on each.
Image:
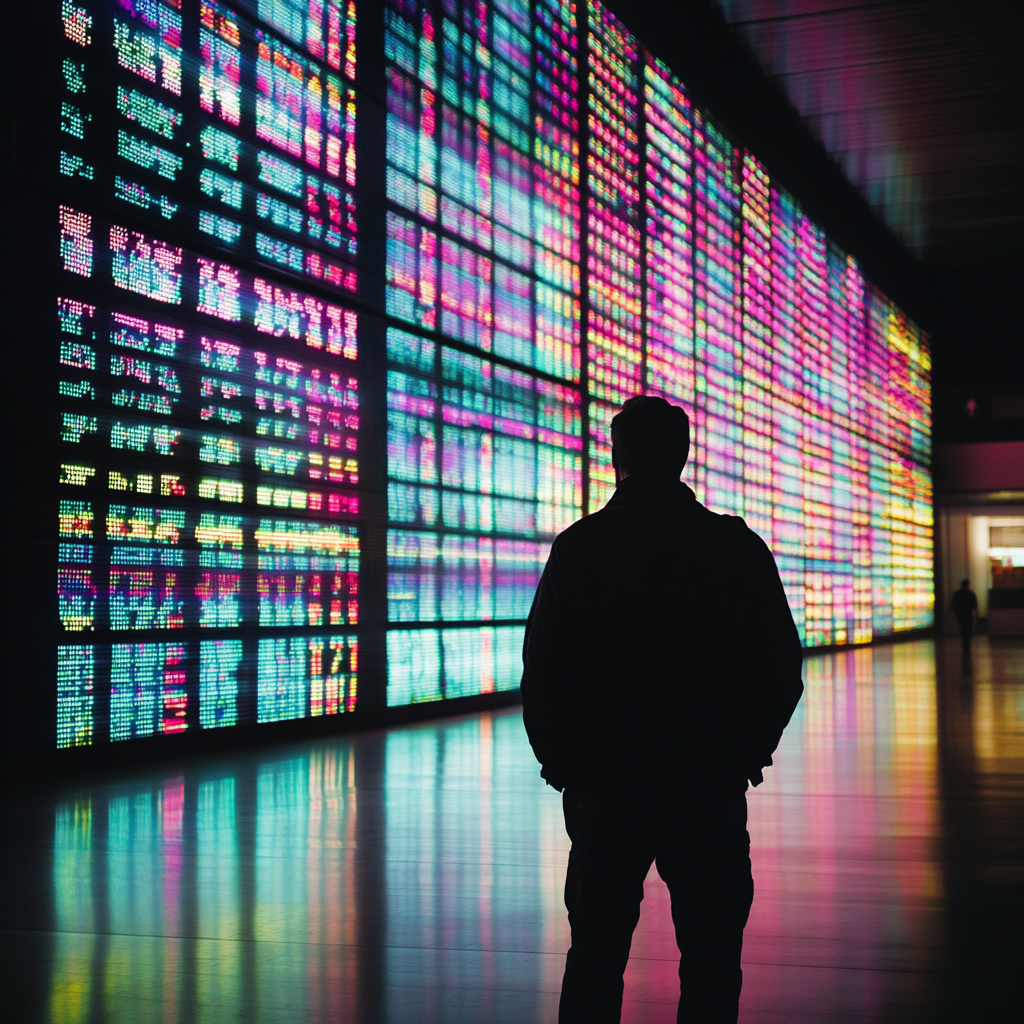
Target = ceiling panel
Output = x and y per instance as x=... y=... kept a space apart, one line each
x=919 y=101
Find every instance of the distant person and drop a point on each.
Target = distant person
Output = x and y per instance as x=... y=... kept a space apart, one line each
x=965 y=608
x=661 y=666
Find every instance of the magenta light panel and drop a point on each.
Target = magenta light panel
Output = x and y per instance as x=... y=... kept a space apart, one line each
x=807 y=389
x=668 y=209
x=284 y=442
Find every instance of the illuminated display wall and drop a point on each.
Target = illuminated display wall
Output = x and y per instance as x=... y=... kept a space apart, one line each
x=208 y=520
x=555 y=227
x=697 y=279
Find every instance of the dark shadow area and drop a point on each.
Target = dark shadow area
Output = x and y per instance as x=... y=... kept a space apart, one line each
x=981 y=760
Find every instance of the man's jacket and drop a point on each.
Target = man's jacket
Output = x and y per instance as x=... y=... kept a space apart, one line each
x=660 y=646
x=964 y=603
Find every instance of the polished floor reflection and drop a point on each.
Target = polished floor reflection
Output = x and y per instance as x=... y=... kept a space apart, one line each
x=415 y=875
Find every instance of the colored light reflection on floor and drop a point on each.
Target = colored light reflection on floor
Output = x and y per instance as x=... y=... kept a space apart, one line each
x=844 y=834
x=416 y=874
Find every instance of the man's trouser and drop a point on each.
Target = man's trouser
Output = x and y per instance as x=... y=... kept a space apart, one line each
x=700 y=843
x=966 y=628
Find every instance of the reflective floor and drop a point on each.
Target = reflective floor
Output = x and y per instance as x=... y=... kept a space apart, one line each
x=415 y=875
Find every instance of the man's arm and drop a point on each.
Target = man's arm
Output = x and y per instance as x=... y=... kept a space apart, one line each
x=546 y=674
x=774 y=663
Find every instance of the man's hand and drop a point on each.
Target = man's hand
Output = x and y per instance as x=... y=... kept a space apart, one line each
x=755 y=775
x=553 y=777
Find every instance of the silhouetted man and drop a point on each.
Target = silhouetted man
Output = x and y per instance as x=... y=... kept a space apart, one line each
x=661 y=666
x=965 y=606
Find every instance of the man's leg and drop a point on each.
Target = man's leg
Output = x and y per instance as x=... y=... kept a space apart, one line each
x=965 y=636
x=611 y=853
x=704 y=857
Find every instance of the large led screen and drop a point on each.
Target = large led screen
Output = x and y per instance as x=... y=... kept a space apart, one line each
x=475 y=229
x=208 y=539
x=556 y=203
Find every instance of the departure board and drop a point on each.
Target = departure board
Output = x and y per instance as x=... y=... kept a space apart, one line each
x=478 y=226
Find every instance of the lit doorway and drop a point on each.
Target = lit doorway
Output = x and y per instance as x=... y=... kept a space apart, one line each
x=986 y=546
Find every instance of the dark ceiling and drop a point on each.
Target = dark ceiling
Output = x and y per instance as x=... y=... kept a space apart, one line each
x=919 y=102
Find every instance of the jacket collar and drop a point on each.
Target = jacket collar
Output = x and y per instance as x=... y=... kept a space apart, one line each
x=646 y=488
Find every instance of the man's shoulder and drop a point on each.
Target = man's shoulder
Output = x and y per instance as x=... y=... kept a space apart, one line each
x=699 y=518
x=735 y=535
x=581 y=530
x=737 y=526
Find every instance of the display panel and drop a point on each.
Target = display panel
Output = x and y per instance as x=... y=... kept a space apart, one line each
x=484 y=433
x=668 y=249
x=484 y=466
x=555 y=227
x=208 y=537
x=703 y=283
x=483 y=176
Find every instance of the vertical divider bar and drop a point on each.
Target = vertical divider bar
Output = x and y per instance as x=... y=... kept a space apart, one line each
x=371 y=129
x=104 y=142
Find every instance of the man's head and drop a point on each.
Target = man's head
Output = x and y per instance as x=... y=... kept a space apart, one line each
x=650 y=437
x=965 y=584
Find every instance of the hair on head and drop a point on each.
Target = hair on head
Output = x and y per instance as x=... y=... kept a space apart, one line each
x=649 y=436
